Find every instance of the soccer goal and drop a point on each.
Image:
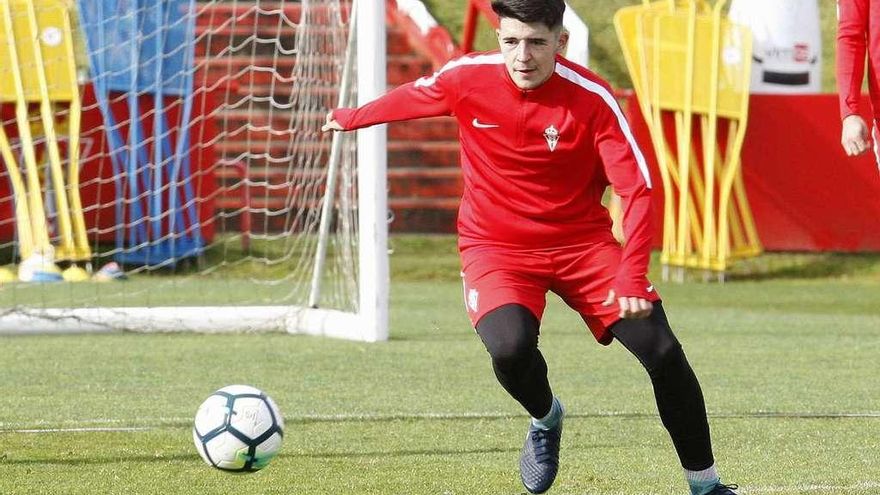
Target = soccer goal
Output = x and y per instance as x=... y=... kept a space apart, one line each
x=190 y=159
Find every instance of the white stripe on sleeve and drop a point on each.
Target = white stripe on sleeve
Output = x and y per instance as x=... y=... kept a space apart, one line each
x=608 y=98
x=488 y=59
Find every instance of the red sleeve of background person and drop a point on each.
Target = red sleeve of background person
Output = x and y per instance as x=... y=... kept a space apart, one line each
x=852 y=47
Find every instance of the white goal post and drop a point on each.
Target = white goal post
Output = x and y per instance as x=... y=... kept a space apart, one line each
x=373 y=180
x=272 y=70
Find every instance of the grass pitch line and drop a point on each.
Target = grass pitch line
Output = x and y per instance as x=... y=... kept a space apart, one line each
x=108 y=424
x=330 y=418
x=863 y=486
x=70 y=424
x=78 y=430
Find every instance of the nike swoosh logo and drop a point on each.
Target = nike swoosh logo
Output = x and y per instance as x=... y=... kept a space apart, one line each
x=479 y=125
x=650 y=289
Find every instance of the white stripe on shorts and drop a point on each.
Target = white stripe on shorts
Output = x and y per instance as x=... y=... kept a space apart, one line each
x=875 y=133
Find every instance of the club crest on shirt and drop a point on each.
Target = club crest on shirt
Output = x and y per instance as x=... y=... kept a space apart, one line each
x=552 y=137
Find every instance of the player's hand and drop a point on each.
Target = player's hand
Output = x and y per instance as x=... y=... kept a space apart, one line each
x=630 y=307
x=330 y=124
x=854 y=135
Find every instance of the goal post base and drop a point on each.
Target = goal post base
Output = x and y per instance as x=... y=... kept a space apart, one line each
x=219 y=203
x=199 y=319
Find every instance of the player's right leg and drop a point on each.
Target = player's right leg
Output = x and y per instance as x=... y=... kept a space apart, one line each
x=504 y=294
x=510 y=334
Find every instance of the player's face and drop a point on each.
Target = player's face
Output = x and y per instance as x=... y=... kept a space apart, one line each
x=529 y=50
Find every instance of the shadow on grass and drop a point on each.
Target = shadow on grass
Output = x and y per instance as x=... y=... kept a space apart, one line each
x=441 y=452
x=403 y=453
x=455 y=335
x=86 y=461
x=789 y=266
x=406 y=453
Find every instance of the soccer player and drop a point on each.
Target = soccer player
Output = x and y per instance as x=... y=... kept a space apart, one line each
x=858 y=35
x=541 y=139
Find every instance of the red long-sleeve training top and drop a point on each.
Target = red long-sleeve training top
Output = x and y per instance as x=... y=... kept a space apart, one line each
x=858 y=35
x=535 y=162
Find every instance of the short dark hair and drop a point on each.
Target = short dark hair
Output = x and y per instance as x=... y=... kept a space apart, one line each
x=548 y=12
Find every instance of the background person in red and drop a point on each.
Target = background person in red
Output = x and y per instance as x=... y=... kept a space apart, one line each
x=541 y=139
x=858 y=39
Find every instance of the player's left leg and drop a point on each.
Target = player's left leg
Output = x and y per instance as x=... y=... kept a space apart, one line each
x=585 y=274
x=678 y=395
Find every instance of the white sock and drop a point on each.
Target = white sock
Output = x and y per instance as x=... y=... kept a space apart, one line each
x=702 y=482
x=552 y=418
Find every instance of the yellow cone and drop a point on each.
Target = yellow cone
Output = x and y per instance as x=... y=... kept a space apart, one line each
x=75 y=274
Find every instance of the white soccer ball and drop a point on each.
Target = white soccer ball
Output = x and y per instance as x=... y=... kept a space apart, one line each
x=238 y=428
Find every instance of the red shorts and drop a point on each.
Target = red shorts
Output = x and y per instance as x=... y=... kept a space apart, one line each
x=581 y=275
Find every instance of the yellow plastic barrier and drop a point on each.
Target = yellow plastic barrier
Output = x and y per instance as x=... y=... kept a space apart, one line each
x=37 y=58
x=690 y=70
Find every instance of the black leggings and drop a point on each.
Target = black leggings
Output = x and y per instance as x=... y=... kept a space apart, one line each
x=510 y=334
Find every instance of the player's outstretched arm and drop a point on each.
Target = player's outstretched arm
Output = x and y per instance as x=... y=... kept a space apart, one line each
x=330 y=124
x=406 y=102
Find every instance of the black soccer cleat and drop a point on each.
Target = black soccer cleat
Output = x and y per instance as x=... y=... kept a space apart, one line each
x=539 y=461
x=722 y=489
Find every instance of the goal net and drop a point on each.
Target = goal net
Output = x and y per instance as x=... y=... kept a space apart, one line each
x=163 y=167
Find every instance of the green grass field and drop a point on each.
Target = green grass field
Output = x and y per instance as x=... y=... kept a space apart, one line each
x=786 y=351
